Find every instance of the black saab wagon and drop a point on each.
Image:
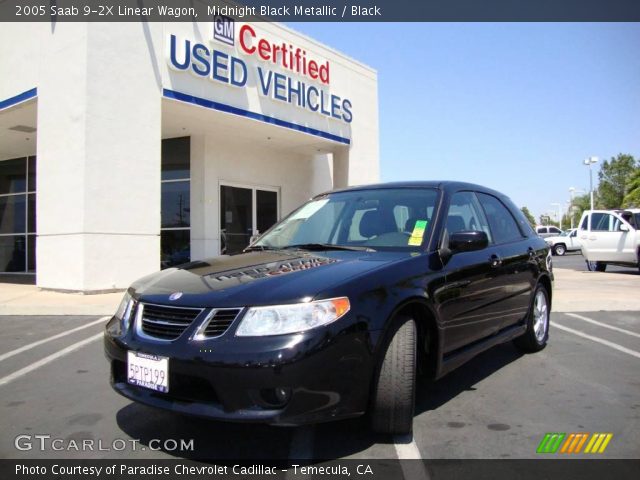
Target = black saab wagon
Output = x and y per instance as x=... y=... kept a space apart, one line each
x=331 y=312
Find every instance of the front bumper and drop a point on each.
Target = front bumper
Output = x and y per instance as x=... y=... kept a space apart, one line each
x=327 y=372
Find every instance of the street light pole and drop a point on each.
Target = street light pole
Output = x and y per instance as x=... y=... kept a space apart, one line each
x=559 y=214
x=590 y=161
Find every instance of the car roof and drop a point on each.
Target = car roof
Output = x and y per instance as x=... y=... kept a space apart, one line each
x=445 y=185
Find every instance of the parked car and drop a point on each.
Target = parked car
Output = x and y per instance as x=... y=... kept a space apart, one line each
x=565 y=242
x=548 y=231
x=333 y=311
x=610 y=237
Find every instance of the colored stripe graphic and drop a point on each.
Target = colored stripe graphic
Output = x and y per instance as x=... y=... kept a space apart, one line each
x=572 y=443
x=550 y=443
x=598 y=443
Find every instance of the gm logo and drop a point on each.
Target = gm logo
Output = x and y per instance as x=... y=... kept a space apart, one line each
x=224 y=29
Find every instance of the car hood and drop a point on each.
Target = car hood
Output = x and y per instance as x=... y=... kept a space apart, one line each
x=258 y=278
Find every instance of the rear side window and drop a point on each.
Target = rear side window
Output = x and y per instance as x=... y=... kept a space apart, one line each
x=542 y=230
x=525 y=226
x=503 y=226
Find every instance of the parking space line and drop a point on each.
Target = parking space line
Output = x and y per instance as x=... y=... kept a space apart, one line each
x=615 y=346
x=410 y=458
x=54 y=356
x=4 y=356
x=611 y=327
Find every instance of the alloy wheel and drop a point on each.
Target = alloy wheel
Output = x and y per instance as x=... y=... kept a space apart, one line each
x=540 y=316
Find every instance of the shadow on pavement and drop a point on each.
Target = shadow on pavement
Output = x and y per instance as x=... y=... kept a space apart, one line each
x=432 y=394
x=221 y=440
x=211 y=440
x=235 y=441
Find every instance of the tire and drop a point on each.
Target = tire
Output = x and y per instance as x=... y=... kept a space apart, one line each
x=536 y=336
x=394 y=395
x=596 y=266
x=560 y=249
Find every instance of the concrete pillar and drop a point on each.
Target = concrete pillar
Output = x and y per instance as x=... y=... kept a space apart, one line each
x=99 y=127
x=322 y=173
x=204 y=204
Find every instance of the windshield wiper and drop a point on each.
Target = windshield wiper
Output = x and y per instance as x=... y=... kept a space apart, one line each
x=329 y=246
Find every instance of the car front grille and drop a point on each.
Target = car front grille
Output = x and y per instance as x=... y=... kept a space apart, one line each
x=166 y=323
x=219 y=322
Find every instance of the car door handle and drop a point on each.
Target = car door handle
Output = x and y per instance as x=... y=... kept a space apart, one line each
x=495 y=260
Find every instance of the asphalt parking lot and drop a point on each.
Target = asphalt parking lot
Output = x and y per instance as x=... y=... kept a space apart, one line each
x=500 y=405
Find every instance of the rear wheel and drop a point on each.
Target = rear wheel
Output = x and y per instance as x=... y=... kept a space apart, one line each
x=535 y=337
x=394 y=395
x=560 y=249
x=596 y=266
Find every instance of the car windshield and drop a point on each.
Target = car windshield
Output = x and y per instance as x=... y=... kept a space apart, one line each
x=393 y=218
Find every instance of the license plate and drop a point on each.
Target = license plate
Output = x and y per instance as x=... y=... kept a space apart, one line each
x=148 y=371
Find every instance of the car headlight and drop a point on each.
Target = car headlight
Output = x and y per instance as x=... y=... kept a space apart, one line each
x=120 y=322
x=281 y=319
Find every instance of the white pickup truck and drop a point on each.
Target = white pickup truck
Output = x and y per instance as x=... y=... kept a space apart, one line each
x=565 y=242
x=610 y=237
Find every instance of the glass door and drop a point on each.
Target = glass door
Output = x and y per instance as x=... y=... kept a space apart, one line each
x=244 y=212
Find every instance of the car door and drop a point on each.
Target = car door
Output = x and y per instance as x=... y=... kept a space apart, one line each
x=468 y=301
x=572 y=240
x=606 y=242
x=516 y=274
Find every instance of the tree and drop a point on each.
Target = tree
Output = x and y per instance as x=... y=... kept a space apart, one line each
x=579 y=205
x=547 y=221
x=614 y=175
x=531 y=219
x=632 y=197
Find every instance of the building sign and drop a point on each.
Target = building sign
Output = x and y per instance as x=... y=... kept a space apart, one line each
x=285 y=72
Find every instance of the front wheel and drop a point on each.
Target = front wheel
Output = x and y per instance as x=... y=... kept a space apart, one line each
x=536 y=336
x=394 y=395
x=560 y=249
x=596 y=266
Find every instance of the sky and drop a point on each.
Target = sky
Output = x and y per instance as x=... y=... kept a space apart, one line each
x=513 y=106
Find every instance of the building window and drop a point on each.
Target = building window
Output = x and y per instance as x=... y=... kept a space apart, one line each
x=18 y=215
x=175 y=210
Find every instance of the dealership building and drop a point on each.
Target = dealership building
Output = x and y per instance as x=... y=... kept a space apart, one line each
x=130 y=147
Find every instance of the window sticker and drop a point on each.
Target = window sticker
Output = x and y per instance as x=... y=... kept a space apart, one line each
x=418 y=233
x=309 y=209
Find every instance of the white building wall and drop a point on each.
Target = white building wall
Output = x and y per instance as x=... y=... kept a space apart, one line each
x=99 y=110
x=98 y=158
x=21 y=66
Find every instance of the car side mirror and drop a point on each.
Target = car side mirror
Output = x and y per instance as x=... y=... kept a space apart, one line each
x=623 y=227
x=468 y=241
